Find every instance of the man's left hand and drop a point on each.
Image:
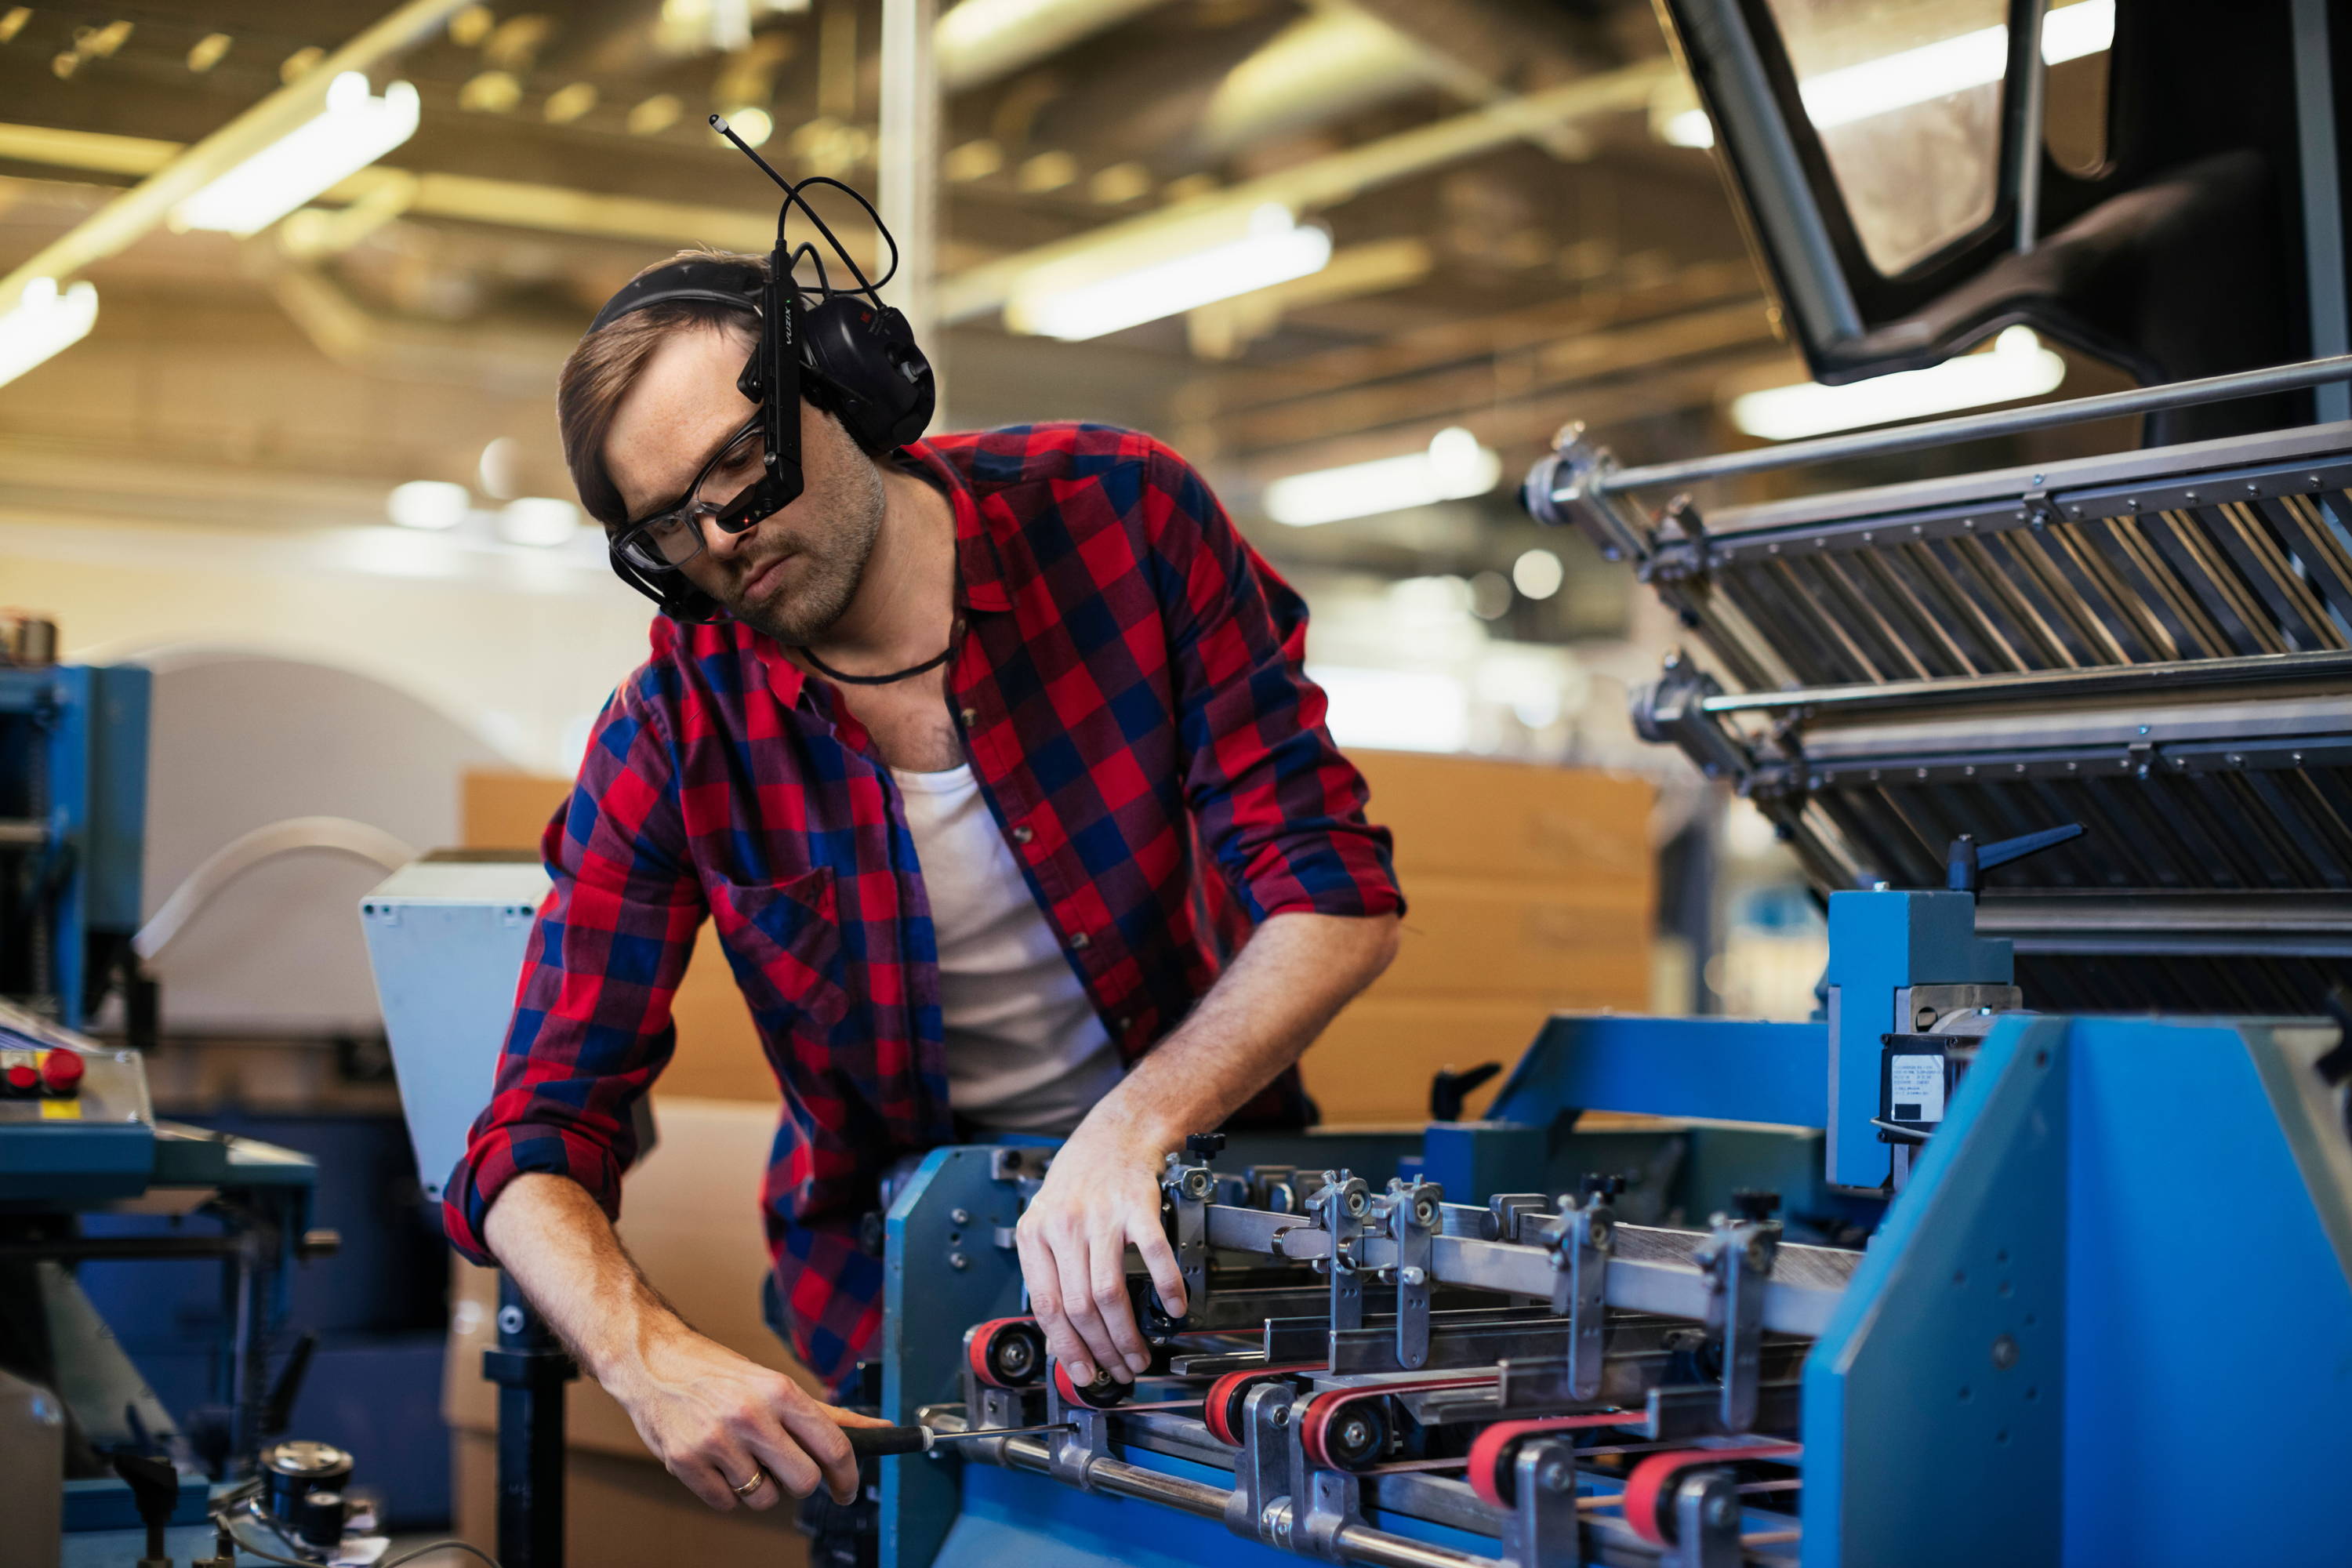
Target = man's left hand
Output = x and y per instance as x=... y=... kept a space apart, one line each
x=1101 y=1193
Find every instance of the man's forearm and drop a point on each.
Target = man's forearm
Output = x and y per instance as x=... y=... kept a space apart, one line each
x=550 y=1236
x=1280 y=992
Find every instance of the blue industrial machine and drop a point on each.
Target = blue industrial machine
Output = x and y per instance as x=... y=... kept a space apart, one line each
x=101 y=1473
x=73 y=803
x=2053 y=745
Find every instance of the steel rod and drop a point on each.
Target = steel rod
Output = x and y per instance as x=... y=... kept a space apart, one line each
x=1977 y=690
x=1977 y=427
x=1360 y=1541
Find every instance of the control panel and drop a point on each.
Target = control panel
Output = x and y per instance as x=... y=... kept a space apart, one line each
x=76 y=1122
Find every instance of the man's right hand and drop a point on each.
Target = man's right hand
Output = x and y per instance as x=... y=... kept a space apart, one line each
x=717 y=1419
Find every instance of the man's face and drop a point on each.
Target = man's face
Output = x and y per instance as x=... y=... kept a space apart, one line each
x=790 y=574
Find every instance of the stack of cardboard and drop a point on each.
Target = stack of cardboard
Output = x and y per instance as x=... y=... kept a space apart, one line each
x=1530 y=889
x=1533 y=889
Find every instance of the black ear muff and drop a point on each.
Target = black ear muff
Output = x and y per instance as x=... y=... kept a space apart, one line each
x=879 y=383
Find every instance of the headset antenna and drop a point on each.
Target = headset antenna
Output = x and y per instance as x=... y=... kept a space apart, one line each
x=720 y=125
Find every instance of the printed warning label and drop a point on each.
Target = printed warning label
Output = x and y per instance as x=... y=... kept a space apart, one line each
x=1916 y=1087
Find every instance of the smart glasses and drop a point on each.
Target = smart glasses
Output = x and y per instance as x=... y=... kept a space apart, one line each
x=727 y=491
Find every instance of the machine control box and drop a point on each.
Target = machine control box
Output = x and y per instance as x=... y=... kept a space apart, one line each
x=75 y=1115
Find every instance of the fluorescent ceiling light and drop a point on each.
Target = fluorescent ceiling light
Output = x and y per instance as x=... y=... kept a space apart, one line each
x=1453 y=466
x=1926 y=73
x=42 y=322
x=540 y=521
x=2017 y=367
x=1394 y=710
x=428 y=503
x=1074 y=300
x=1538 y=574
x=352 y=132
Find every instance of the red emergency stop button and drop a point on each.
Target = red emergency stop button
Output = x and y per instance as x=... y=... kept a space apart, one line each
x=61 y=1072
x=21 y=1077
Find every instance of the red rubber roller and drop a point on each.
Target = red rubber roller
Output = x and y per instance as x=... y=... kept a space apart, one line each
x=1495 y=1451
x=1652 y=1484
x=1102 y=1394
x=1007 y=1352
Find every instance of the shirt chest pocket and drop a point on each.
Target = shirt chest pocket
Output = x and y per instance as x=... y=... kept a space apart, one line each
x=783 y=940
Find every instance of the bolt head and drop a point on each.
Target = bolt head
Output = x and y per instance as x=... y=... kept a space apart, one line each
x=1722 y=1508
x=1414 y=1277
x=1555 y=1476
x=959 y=1216
x=958 y=1260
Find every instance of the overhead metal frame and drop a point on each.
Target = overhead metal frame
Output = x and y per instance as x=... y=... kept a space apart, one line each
x=2158 y=646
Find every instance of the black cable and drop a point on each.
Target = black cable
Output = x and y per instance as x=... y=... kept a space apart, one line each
x=225 y=1524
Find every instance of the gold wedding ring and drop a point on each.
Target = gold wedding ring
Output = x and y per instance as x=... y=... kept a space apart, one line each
x=759 y=1478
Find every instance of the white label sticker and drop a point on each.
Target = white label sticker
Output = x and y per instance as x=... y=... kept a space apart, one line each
x=1915 y=1089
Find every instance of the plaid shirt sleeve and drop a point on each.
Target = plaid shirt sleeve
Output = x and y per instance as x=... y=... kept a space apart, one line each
x=1279 y=809
x=591 y=1023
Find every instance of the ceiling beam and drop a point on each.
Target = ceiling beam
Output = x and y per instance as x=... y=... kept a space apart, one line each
x=1324 y=182
x=123 y=221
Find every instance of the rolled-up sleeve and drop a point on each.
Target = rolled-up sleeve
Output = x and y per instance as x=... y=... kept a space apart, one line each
x=1279 y=808
x=591 y=1021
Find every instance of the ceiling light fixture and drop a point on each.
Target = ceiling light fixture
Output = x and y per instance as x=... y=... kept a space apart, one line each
x=1926 y=73
x=1453 y=466
x=2016 y=366
x=431 y=504
x=352 y=132
x=540 y=521
x=44 y=321
x=1088 y=296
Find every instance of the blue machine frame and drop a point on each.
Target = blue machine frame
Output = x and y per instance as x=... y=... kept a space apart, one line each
x=2127 y=1237
x=77 y=733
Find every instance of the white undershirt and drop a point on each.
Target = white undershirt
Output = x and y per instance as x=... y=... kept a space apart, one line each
x=1025 y=1052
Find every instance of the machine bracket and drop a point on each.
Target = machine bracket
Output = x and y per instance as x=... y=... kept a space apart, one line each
x=1073 y=1454
x=1259 y=1508
x=1509 y=1211
x=1187 y=1190
x=1540 y=1530
x=1581 y=1239
x=1706 y=1522
x=1339 y=1206
x=1738 y=1257
x=1411 y=1211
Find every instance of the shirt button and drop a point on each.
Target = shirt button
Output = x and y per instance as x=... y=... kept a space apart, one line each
x=968 y=715
x=1123 y=1023
x=1022 y=835
x=1080 y=942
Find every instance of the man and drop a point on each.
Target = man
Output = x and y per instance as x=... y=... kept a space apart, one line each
x=988 y=729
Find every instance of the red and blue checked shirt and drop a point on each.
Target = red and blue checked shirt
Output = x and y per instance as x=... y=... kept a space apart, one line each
x=1129 y=692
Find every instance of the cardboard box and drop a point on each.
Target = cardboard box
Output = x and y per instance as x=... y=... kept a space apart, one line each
x=625 y=1513
x=1586 y=942
x=719 y=1053
x=1478 y=817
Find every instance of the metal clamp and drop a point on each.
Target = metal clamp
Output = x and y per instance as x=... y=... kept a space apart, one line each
x=1186 y=1191
x=1509 y=1211
x=1706 y=1522
x=1071 y=1455
x=1540 y=1530
x=1265 y=1472
x=1411 y=1211
x=1570 y=489
x=1339 y=1207
x=1581 y=1240
x=1738 y=1257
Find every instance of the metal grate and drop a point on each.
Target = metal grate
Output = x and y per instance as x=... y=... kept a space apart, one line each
x=2157 y=645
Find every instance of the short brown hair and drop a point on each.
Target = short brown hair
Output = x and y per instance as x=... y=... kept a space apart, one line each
x=605 y=364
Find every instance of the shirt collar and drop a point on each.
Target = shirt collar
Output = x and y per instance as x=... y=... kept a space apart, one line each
x=980 y=569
